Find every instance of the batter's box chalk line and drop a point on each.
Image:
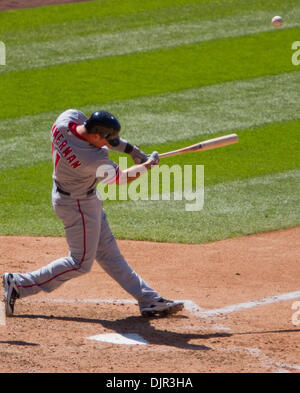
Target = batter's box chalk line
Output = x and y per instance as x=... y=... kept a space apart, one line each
x=247 y=305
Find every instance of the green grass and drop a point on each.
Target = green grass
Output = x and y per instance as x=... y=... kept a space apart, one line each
x=174 y=72
x=186 y=115
x=147 y=9
x=260 y=151
x=230 y=209
x=138 y=32
x=145 y=74
x=263 y=151
x=87 y=11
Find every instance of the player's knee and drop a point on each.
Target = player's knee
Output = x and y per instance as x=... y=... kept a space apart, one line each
x=85 y=268
x=82 y=265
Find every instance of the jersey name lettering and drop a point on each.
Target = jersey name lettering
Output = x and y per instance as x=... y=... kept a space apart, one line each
x=63 y=146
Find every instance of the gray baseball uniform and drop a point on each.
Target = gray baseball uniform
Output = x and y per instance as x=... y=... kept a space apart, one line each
x=78 y=167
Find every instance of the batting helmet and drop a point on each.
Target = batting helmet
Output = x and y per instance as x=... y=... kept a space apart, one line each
x=106 y=125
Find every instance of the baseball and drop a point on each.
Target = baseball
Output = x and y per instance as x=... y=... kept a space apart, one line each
x=277 y=21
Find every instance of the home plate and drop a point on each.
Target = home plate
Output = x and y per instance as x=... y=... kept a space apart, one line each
x=115 y=338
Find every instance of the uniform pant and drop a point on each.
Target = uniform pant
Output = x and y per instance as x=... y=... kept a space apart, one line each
x=89 y=237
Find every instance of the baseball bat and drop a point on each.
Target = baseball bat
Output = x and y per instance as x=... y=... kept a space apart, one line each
x=205 y=145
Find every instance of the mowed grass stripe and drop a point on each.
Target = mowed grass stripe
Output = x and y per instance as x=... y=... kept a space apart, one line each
x=264 y=151
x=260 y=151
x=207 y=110
x=163 y=120
x=134 y=12
x=54 y=14
x=230 y=210
x=78 y=47
x=123 y=77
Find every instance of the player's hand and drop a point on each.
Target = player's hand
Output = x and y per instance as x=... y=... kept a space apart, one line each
x=138 y=156
x=152 y=160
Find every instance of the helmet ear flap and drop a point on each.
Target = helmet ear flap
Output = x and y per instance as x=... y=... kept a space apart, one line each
x=114 y=141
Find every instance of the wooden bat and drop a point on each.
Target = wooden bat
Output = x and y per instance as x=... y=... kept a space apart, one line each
x=205 y=145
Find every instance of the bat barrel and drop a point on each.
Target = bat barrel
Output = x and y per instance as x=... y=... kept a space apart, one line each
x=205 y=145
x=219 y=142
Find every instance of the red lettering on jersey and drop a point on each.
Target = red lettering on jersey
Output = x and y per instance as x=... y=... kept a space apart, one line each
x=57 y=158
x=71 y=158
x=67 y=151
x=76 y=164
x=55 y=133
x=63 y=144
x=59 y=137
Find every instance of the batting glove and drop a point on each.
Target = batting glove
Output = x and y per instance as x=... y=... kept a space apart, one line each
x=154 y=157
x=138 y=155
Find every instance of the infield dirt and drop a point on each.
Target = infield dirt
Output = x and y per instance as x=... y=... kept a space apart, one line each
x=50 y=336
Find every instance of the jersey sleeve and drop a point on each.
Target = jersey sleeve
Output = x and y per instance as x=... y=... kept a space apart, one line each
x=107 y=171
x=69 y=116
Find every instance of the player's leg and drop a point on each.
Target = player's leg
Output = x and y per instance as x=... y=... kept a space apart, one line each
x=81 y=220
x=112 y=261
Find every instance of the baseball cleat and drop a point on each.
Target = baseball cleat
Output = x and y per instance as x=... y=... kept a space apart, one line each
x=162 y=307
x=11 y=293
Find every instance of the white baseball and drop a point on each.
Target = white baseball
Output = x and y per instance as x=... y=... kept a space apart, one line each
x=277 y=21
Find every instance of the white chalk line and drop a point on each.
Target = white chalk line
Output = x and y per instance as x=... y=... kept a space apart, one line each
x=264 y=360
x=95 y=301
x=244 y=306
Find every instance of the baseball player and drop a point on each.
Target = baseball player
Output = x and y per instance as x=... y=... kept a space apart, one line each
x=80 y=160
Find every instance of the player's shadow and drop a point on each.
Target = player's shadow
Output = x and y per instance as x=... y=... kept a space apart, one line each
x=19 y=343
x=142 y=327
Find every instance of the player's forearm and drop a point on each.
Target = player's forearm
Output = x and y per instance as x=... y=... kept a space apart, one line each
x=132 y=173
x=123 y=147
x=135 y=152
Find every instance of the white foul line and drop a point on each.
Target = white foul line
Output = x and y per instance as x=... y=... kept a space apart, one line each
x=106 y=301
x=265 y=360
x=251 y=304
